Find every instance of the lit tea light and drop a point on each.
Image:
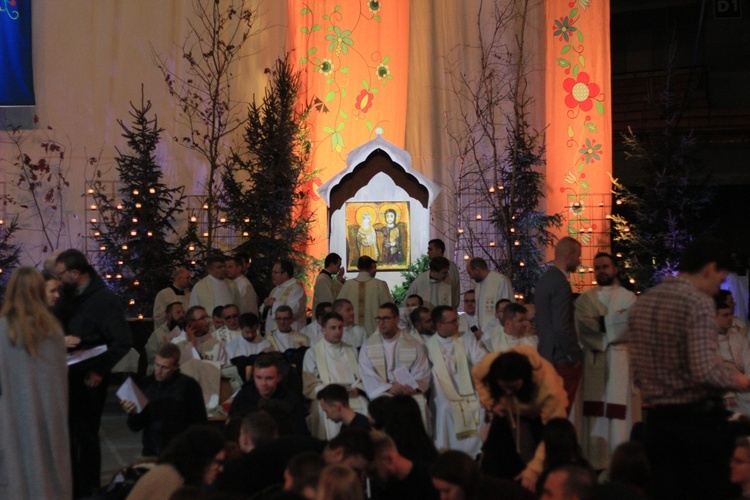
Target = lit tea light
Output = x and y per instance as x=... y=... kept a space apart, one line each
x=136 y=192
x=152 y=190
x=479 y=216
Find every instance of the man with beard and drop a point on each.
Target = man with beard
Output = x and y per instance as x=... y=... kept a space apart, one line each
x=558 y=342
x=174 y=317
x=395 y=476
x=88 y=311
x=610 y=406
x=434 y=285
x=175 y=402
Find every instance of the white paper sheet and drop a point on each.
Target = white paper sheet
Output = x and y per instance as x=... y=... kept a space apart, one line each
x=128 y=391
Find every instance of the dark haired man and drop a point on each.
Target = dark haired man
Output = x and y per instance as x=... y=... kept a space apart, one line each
x=436 y=248
x=215 y=289
x=366 y=293
x=92 y=315
x=491 y=286
x=434 y=285
x=178 y=291
x=287 y=292
x=334 y=400
x=236 y=272
x=174 y=322
x=329 y=281
x=610 y=405
x=673 y=350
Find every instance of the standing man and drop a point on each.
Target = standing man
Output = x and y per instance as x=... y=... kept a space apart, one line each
x=93 y=317
x=553 y=298
x=672 y=332
x=178 y=291
x=366 y=293
x=287 y=292
x=491 y=287
x=436 y=248
x=248 y=298
x=434 y=284
x=456 y=404
x=610 y=406
x=330 y=280
x=175 y=402
x=215 y=289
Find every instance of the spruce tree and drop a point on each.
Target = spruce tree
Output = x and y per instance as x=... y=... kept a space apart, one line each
x=263 y=185
x=9 y=252
x=136 y=232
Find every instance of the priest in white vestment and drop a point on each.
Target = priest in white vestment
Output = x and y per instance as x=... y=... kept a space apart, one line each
x=458 y=414
x=366 y=293
x=491 y=287
x=178 y=291
x=215 y=289
x=171 y=328
x=250 y=342
x=284 y=337
x=231 y=329
x=433 y=285
x=734 y=351
x=314 y=331
x=248 y=298
x=468 y=321
x=391 y=362
x=331 y=362
x=329 y=281
x=611 y=404
x=513 y=332
x=354 y=335
x=287 y=292
x=436 y=248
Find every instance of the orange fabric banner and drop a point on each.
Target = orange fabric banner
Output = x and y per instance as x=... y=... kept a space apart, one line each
x=354 y=58
x=579 y=137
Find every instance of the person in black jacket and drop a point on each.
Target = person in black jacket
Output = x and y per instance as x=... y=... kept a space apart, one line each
x=91 y=316
x=175 y=402
x=267 y=384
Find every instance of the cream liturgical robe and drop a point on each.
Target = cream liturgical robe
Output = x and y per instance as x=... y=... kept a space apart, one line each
x=241 y=347
x=248 y=297
x=354 y=336
x=283 y=341
x=434 y=293
x=324 y=364
x=458 y=414
x=380 y=357
x=611 y=404
x=466 y=321
x=224 y=335
x=292 y=294
x=366 y=294
x=488 y=291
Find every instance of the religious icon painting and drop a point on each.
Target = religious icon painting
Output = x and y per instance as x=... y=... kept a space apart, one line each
x=379 y=230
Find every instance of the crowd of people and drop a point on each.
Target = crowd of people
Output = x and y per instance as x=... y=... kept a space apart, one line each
x=372 y=400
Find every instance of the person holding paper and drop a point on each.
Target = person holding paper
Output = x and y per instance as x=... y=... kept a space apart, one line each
x=173 y=402
x=457 y=409
x=392 y=362
x=89 y=311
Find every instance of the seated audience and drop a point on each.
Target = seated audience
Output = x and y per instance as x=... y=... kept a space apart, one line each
x=569 y=482
x=230 y=314
x=403 y=423
x=739 y=466
x=353 y=448
x=456 y=476
x=314 y=330
x=560 y=447
x=339 y=482
x=250 y=342
x=629 y=465
x=194 y=458
x=302 y=474
x=395 y=476
x=354 y=335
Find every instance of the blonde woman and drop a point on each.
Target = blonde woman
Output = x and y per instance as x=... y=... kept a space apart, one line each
x=35 y=459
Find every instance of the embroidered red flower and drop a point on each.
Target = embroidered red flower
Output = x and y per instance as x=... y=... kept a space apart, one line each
x=364 y=101
x=580 y=91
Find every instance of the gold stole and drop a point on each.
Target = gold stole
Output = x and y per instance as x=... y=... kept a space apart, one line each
x=464 y=401
x=325 y=376
x=407 y=352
